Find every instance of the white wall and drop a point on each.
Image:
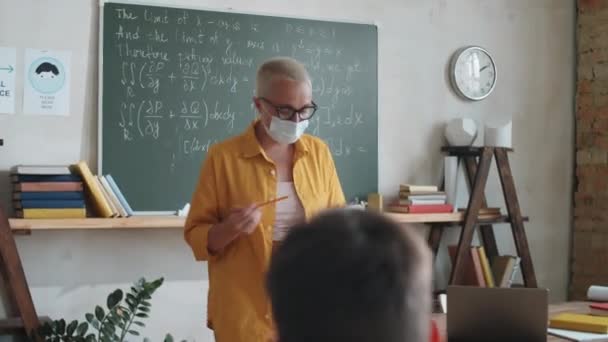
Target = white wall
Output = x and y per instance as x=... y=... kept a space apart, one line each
x=531 y=40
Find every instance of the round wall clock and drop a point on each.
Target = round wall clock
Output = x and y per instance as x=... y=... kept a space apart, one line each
x=473 y=73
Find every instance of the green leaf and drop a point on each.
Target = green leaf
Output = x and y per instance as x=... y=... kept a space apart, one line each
x=168 y=338
x=145 y=303
x=142 y=315
x=141 y=324
x=71 y=328
x=134 y=290
x=90 y=338
x=133 y=332
x=105 y=338
x=96 y=324
x=107 y=330
x=147 y=339
x=114 y=298
x=99 y=313
x=89 y=317
x=55 y=326
x=79 y=339
x=61 y=327
x=45 y=329
x=56 y=339
x=121 y=325
x=144 y=308
x=82 y=329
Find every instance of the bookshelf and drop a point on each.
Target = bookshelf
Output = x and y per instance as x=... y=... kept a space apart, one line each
x=477 y=162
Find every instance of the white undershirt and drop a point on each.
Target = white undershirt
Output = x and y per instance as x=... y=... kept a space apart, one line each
x=288 y=212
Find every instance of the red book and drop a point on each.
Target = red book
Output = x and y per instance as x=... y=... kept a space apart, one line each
x=599 y=309
x=430 y=208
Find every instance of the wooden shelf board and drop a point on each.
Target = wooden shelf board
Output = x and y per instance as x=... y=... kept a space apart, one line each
x=141 y=222
x=445 y=218
x=15 y=324
x=98 y=223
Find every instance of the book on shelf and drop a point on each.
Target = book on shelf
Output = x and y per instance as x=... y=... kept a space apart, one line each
x=49 y=195
x=484 y=211
x=473 y=272
x=420 y=208
x=19 y=178
x=598 y=309
x=52 y=213
x=47 y=191
x=418 y=188
x=485 y=266
x=503 y=268
x=119 y=194
x=41 y=170
x=415 y=201
x=580 y=322
x=49 y=204
x=48 y=186
x=122 y=212
x=53 y=191
x=101 y=206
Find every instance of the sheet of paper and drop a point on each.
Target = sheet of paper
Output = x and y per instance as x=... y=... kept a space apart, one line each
x=8 y=62
x=46 y=82
x=577 y=335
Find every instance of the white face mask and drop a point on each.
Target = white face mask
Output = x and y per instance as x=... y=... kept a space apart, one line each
x=286 y=131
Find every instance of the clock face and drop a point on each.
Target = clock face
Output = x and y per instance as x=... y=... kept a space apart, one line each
x=473 y=73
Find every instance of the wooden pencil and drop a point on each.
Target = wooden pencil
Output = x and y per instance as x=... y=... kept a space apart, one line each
x=271 y=201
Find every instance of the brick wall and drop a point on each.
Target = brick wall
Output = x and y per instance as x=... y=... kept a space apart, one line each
x=590 y=237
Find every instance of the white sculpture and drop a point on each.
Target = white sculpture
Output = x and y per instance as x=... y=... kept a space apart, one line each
x=461 y=132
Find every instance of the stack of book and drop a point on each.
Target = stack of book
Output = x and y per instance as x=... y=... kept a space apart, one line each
x=587 y=326
x=47 y=191
x=420 y=199
x=105 y=196
x=480 y=271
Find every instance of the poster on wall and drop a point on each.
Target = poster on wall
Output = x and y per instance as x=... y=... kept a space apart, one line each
x=46 y=82
x=8 y=59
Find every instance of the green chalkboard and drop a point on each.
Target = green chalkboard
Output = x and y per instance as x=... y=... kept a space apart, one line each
x=175 y=81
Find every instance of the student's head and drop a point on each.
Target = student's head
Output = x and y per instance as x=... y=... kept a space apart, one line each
x=282 y=86
x=351 y=276
x=47 y=70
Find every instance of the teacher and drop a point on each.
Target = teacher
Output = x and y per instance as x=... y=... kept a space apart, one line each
x=227 y=225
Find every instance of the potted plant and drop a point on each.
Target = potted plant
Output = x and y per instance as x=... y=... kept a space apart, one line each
x=121 y=318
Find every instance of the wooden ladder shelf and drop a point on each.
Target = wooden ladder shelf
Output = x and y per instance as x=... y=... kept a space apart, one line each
x=477 y=161
x=25 y=319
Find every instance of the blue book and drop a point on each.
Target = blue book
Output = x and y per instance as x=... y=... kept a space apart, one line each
x=49 y=195
x=121 y=197
x=58 y=204
x=45 y=178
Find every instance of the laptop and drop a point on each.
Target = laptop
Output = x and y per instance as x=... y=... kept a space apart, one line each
x=497 y=314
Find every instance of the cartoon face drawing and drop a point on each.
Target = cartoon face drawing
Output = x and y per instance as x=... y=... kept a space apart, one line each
x=47 y=75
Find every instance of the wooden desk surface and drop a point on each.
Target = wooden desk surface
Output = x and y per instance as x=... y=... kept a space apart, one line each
x=554 y=309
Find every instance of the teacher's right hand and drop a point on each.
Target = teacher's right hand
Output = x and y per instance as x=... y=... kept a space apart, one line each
x=239 y=221
x=243 y=220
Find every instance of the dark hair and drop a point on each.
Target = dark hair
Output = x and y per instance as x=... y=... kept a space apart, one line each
x=351 y=275
x=47 y=67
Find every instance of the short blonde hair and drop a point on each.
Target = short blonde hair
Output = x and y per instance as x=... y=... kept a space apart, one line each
x=279 y=67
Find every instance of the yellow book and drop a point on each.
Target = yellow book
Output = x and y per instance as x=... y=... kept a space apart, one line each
x=38 y=213
x=580 y=322
x=485 y=265
x=102 y=207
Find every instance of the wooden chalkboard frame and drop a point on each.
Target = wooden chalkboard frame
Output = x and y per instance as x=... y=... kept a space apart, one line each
x=222 y=10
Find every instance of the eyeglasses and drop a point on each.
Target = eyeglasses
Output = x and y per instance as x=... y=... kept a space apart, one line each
x=287 y=112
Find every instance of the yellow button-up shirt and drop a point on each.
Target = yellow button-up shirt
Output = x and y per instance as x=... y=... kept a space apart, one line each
x=237 y=173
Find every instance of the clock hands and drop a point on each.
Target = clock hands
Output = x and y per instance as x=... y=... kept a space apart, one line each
x=484 y=67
